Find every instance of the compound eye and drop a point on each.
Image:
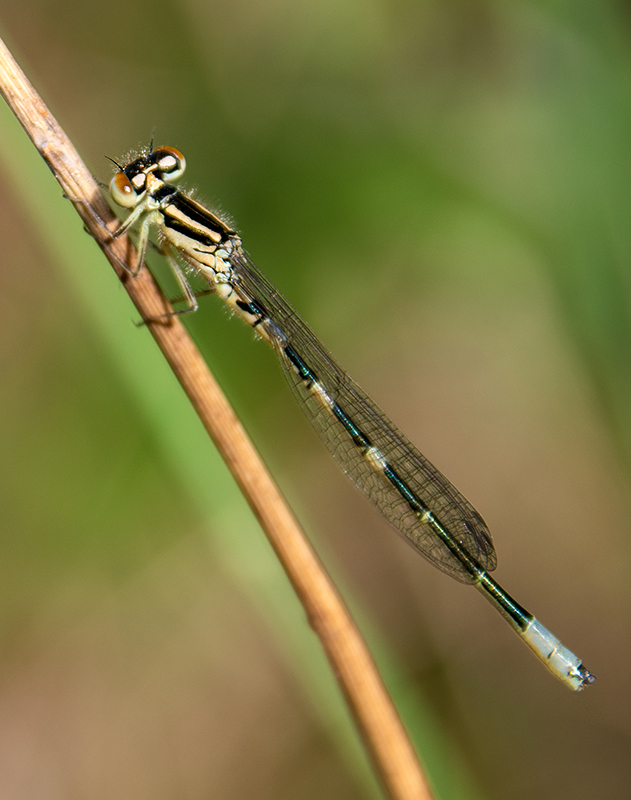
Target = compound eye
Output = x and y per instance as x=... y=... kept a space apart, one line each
x=169 y=162
x=122 y=191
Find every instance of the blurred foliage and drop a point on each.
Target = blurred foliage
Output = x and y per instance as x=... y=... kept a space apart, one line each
x=442 y=190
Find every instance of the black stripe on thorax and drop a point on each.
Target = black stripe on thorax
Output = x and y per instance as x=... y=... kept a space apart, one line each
x=201 y=217
x=164 y=191
x=190 y=233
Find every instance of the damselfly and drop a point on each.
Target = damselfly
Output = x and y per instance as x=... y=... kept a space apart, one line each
x=409 y=491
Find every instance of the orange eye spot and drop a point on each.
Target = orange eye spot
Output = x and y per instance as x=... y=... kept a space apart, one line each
x=122 y=191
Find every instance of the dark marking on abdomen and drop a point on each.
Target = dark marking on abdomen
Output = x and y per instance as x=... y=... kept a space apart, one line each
x=254 y=310
x=301 y=368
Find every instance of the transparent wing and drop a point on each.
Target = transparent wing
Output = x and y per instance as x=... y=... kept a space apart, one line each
x=451 y=509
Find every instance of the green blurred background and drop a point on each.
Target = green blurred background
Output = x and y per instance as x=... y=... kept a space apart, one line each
x=443 y=190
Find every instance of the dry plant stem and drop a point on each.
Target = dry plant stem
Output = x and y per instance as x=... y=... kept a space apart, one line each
x=376 y=717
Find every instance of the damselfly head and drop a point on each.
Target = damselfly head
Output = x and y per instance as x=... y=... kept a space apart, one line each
x=129 y=184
